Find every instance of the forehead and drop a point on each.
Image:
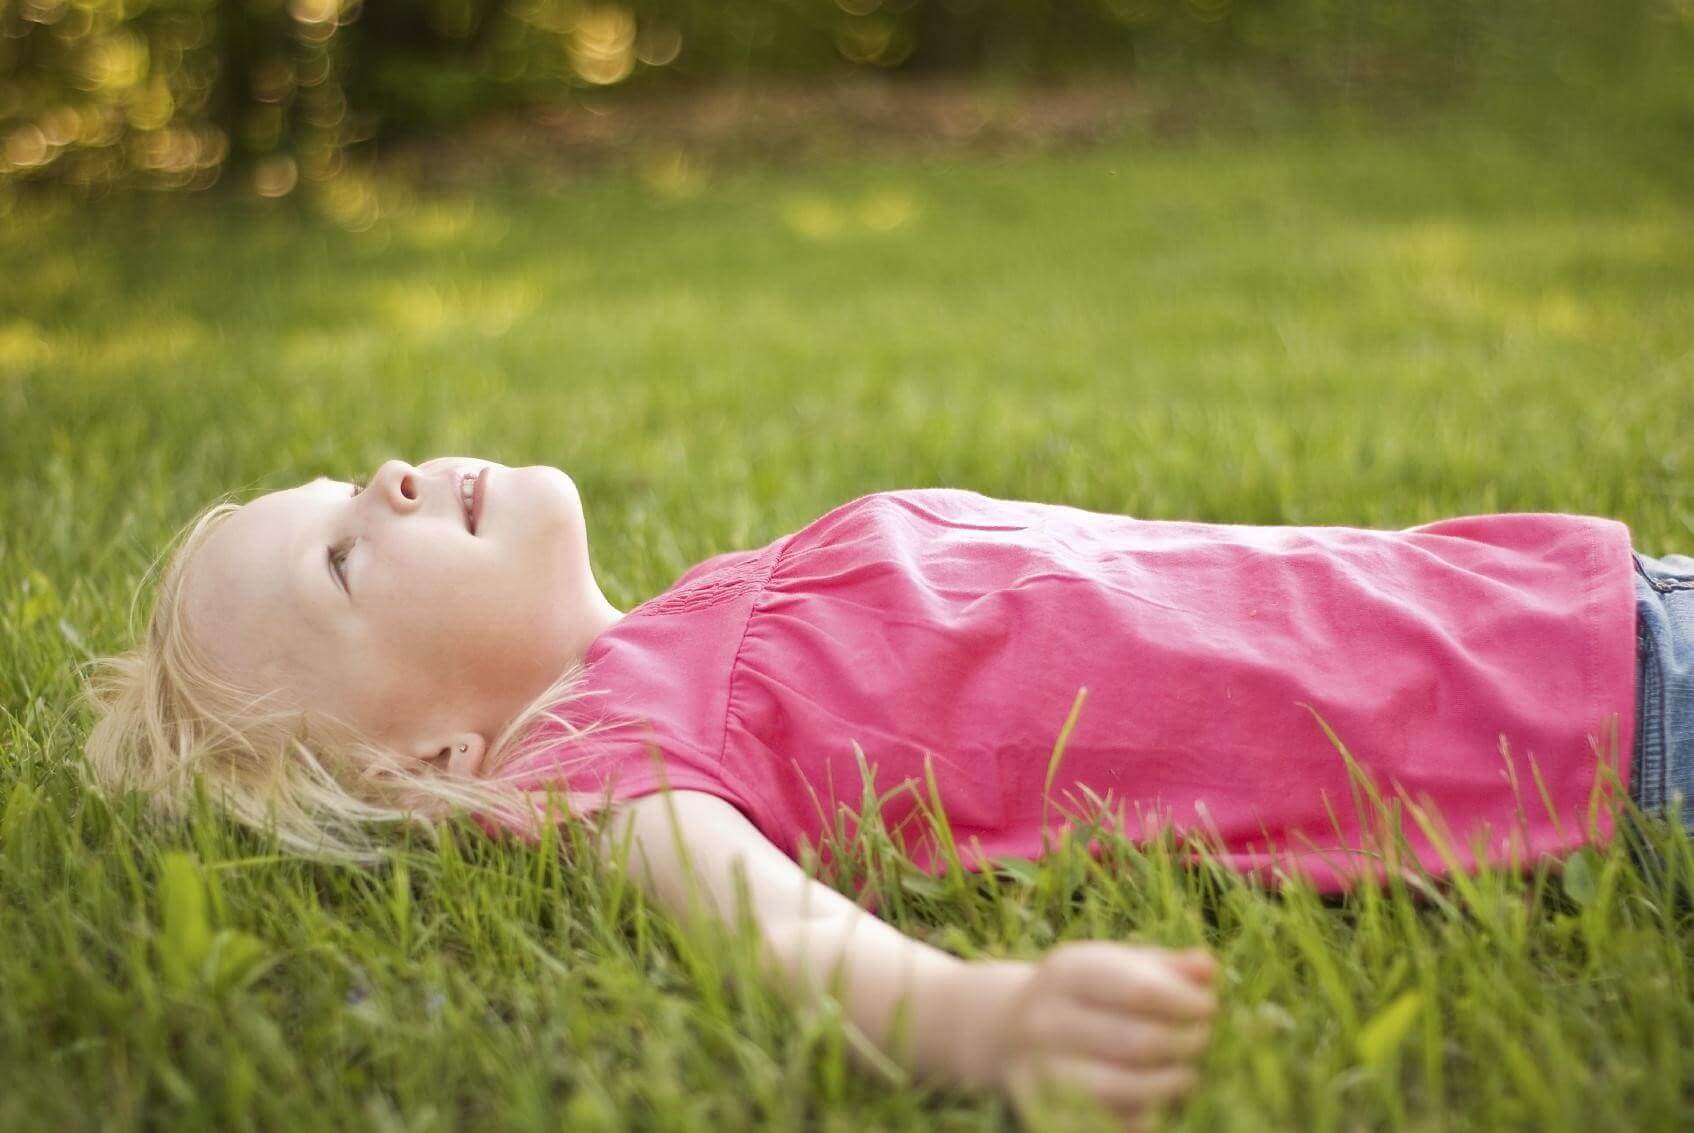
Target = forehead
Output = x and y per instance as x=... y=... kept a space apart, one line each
x=249 y=593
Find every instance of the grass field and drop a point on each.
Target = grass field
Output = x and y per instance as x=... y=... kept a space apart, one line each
x=1311 y=327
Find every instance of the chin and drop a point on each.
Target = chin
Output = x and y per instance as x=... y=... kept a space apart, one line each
x=548 y=535
x=556 y=479
x=564 y=503
x=542 y=499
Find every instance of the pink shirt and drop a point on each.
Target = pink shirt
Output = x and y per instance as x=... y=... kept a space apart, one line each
x=944 y=625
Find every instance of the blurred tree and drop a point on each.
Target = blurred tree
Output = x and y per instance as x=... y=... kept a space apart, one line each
x=178 y=93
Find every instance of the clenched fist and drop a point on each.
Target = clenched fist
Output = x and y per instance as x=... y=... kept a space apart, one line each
x=1122 y=1024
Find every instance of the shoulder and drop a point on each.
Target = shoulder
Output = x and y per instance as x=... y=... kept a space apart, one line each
x=919 y=507
x=719 y=577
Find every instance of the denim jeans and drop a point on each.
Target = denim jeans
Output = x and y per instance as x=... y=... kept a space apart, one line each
x=1662 y=769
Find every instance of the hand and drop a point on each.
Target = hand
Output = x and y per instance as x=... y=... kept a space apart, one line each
x=1121 y=1024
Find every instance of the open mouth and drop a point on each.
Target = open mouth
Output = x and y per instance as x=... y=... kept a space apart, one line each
x=470 y=496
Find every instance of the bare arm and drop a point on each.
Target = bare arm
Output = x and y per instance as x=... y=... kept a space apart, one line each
x=1121 y=1021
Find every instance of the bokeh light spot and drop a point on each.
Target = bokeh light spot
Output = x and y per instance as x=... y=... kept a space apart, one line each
x=813 y=217
x=313 y=11
x=22 y=344
x=275 y=176
x=658 y=45
x=26 y=147
x=602 y=47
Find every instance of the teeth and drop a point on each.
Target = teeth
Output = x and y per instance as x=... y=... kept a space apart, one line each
x=467 y=490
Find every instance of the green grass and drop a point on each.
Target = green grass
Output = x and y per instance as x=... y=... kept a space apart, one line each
x=1314 y=327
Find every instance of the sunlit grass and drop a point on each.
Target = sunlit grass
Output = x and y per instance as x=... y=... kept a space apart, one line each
x=1316 y=329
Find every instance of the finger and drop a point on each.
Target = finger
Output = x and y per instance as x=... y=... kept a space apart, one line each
x=1123 y=979
x=1125 y=1041
x=1069 y=1027
x=1116 y=1087
x=1197 y=964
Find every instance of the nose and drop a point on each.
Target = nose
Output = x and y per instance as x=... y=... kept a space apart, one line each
x=396 y=485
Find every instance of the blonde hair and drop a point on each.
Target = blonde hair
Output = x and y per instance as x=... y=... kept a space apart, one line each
x=164 y=717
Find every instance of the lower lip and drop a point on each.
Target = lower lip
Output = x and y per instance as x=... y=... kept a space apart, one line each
x=478 y=494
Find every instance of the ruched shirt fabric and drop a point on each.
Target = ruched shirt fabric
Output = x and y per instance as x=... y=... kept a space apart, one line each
x=1476 y=672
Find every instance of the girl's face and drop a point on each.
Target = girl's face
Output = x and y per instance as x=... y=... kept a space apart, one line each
x=386 y=608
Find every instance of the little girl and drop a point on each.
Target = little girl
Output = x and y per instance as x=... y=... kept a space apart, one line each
x=337 y=655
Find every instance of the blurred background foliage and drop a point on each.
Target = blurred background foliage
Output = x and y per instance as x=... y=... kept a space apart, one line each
x=272 y=95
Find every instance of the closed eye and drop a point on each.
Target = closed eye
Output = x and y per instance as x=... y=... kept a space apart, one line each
x=338 y=554
x=338 y=565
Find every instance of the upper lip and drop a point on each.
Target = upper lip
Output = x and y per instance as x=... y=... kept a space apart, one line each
x=477 y=497
x=469 y=507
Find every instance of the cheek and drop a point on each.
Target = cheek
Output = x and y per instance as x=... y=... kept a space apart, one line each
x=423 y=599
x=531 y=606
x=491 y=615
x=488 y=608
x=533 y=629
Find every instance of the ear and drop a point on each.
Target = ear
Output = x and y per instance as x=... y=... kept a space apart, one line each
x=459 y=754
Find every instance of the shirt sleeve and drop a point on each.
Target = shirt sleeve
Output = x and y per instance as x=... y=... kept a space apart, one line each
x=627 y=760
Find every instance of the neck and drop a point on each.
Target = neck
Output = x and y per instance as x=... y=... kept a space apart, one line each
x=600 y=617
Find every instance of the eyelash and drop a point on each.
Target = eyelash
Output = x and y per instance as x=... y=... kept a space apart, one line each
x=338 y=560
x=338 y=555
